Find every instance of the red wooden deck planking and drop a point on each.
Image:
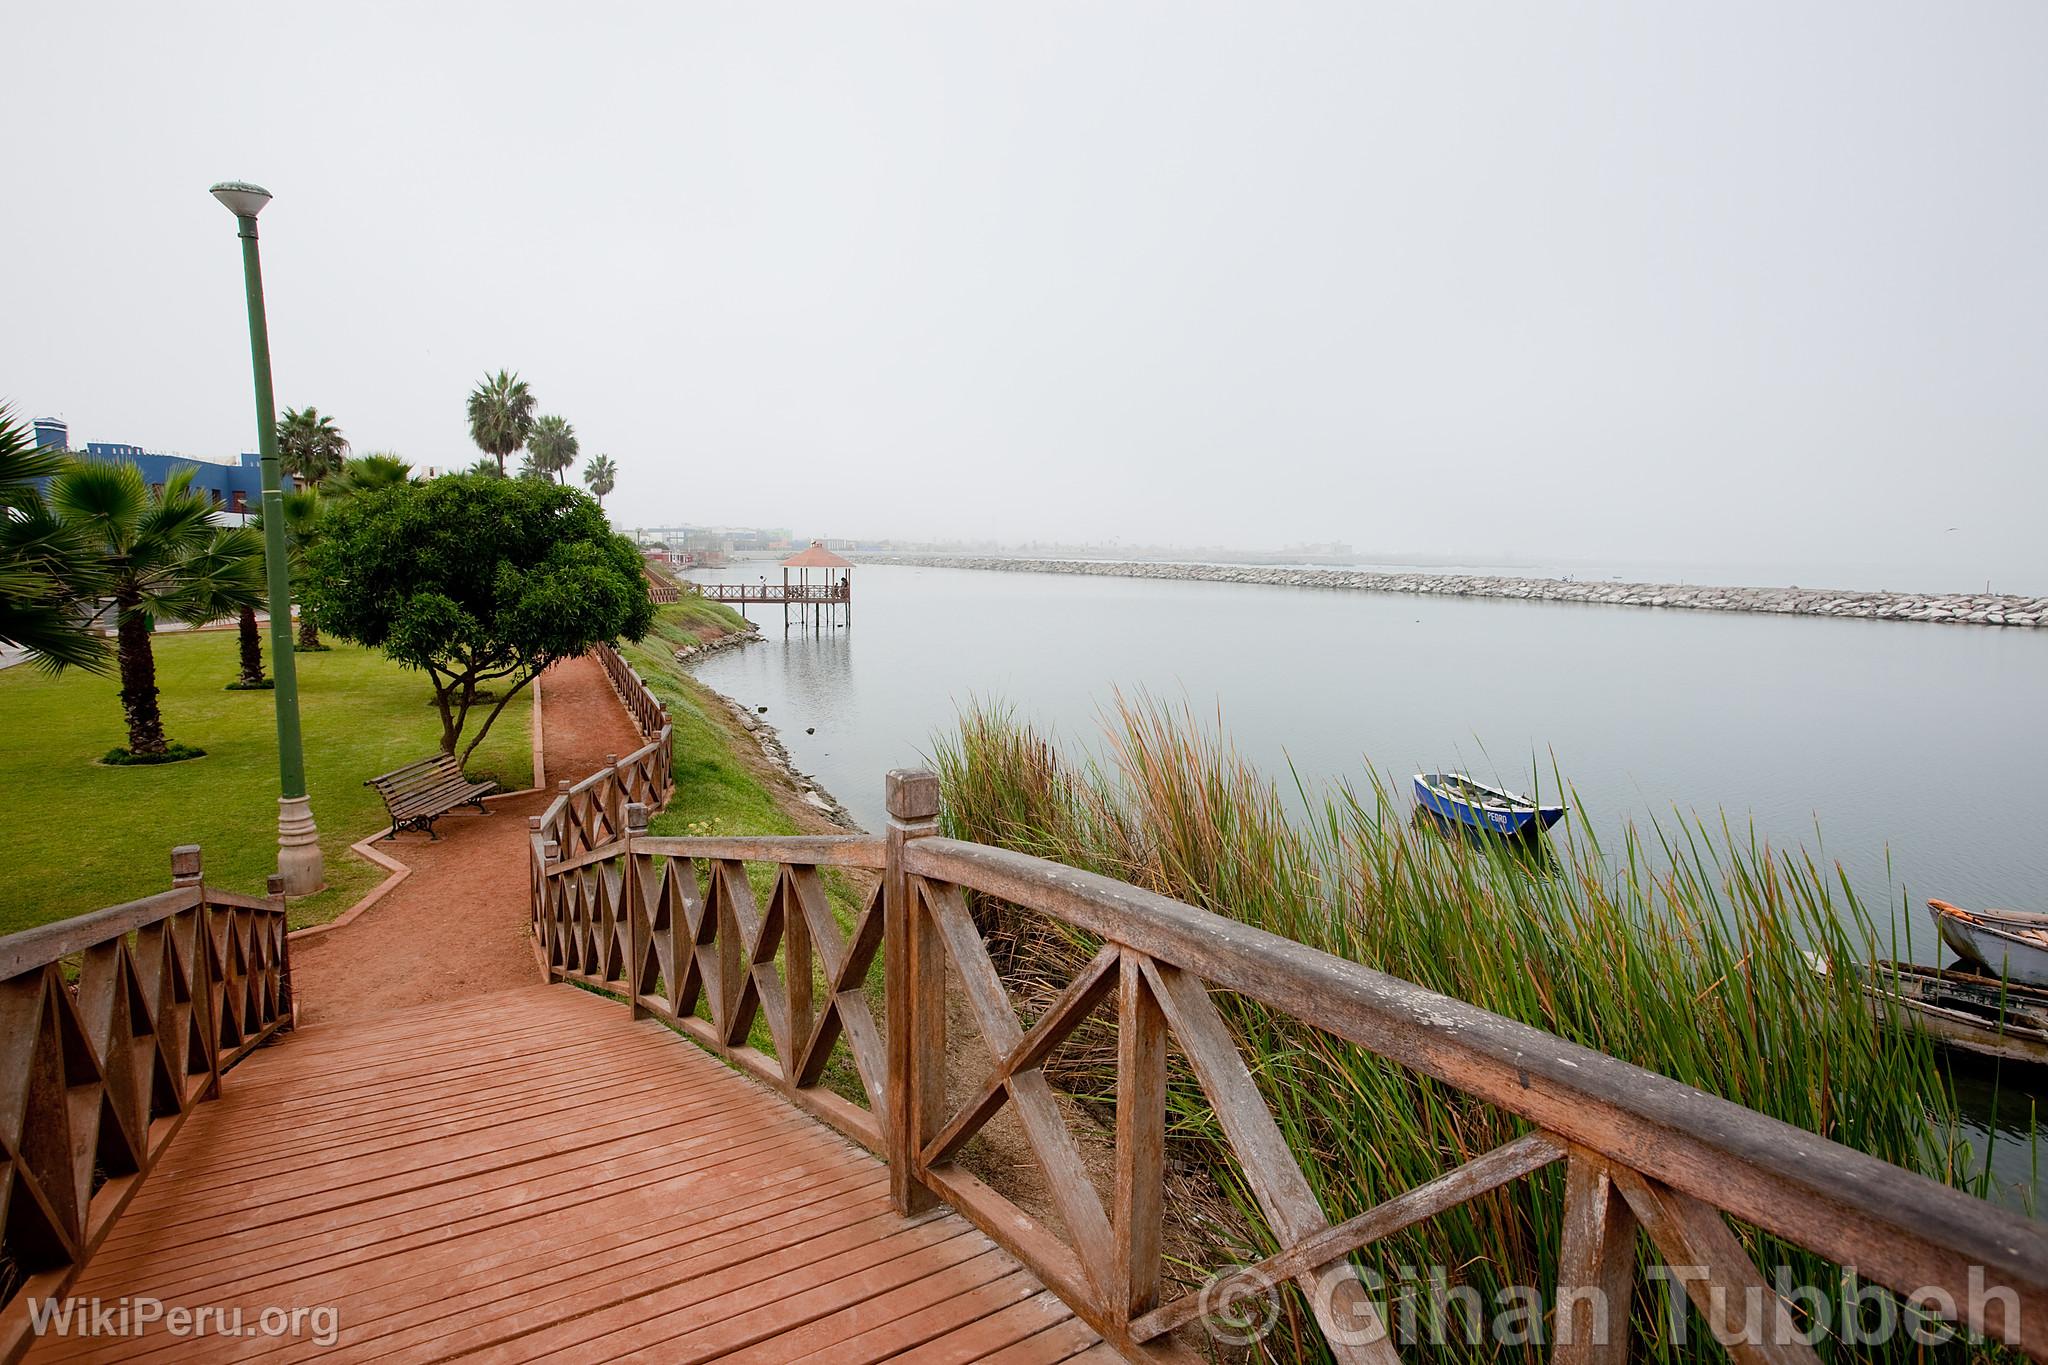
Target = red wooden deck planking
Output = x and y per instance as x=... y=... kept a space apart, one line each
x=533 y=1175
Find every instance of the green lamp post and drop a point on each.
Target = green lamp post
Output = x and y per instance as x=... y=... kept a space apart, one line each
x=299 y=861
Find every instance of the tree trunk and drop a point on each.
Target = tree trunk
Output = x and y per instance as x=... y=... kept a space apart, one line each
x=138 y=685
x=451 y=727
x=309 y=628
x=252 y=649
x=509 y=693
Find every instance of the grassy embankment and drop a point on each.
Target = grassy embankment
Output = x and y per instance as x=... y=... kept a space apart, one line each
x=79 y=836
x=722 y=787
x=1683 y=951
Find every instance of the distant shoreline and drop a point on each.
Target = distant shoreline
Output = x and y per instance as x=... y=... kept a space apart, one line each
x=1974 y=609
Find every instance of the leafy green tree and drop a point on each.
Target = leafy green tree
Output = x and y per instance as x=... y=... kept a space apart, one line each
x=310 y=447
x=479 y=582
x=552 y=446
x=601 y=474
x=500 y=415
x=50 y=578
x=159 y=556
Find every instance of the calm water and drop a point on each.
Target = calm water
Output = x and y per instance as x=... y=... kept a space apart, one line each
x=1918 y=751
x=1913 y=754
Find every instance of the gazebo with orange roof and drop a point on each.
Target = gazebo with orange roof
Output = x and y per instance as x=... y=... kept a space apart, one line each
x=820 y=603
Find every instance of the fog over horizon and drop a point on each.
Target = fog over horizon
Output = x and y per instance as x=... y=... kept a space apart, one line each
x=1748 y=286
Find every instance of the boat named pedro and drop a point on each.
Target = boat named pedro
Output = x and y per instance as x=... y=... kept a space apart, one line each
x=1458 y=799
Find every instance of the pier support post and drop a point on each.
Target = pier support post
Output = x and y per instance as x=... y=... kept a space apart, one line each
x=915 y=972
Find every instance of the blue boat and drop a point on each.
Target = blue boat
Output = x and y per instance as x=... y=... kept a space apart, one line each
x=1459 y=800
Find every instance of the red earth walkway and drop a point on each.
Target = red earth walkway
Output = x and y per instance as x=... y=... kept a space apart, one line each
x=458 y=925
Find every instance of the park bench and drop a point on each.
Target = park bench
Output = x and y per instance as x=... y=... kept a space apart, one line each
x=420 y=793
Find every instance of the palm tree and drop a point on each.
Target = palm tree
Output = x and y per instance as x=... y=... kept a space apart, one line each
x=159 y=555
x=310 y=446
x=368 y=474
x=552 y=446
x=600 y=474
x=240 y=591
x=50 y=580
x=500 y=415
x=249 y=639
x=487 y=467
x=302 y=511
x=301 y=529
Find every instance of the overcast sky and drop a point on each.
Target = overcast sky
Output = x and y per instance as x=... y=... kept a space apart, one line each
x=1757 y=284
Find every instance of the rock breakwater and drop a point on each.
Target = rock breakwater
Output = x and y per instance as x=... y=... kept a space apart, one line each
x=1977 y=609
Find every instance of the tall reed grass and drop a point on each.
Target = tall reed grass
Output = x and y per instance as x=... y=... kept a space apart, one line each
x=1683 y=950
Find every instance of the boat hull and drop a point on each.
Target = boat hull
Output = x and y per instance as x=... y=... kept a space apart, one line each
x=1959 y=1010
x=1503 y=818
x=2002 y=952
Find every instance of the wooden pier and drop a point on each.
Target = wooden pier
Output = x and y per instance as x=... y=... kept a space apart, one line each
x=538 y=1176
x=729 y=1128
x=819 y=597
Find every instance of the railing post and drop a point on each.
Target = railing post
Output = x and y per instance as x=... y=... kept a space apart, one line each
x=632 y=888
x=185 y=865
x=273 y=891
x=916 y=979
x=1140 y=1142
x=664 y=757
x=551 y=852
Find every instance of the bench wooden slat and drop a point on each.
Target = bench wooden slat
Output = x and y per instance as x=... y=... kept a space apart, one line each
x=423 y=791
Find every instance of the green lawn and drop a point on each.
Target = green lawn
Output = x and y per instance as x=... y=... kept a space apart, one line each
x=79 y=836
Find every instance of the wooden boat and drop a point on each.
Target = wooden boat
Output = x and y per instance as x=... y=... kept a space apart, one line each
x=2012 y=943
x=1958 y=1009
x=1458 y=799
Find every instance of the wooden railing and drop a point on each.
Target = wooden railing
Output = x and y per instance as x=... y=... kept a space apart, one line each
x=113 y=1025
x=641 y=704
x=660 y=593
x=678 y=930
x=675 y=927
x=771 y=593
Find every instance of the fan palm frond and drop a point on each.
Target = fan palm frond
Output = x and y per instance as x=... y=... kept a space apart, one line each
x=501 y=415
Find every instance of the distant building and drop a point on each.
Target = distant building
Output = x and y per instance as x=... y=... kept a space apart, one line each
x=706 y=549
x=758 y=540
x=235 y=488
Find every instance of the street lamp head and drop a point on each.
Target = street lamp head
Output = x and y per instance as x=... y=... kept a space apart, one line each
x=241 y=198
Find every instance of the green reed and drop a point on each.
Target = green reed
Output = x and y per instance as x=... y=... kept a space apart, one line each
x=1688 y=950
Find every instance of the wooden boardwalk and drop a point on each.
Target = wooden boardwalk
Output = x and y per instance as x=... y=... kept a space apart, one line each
x=533 y=1175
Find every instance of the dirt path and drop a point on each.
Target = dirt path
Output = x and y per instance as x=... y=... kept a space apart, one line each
x=457 y=925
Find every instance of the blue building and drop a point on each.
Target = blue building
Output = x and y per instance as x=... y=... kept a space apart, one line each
x=236 y=489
